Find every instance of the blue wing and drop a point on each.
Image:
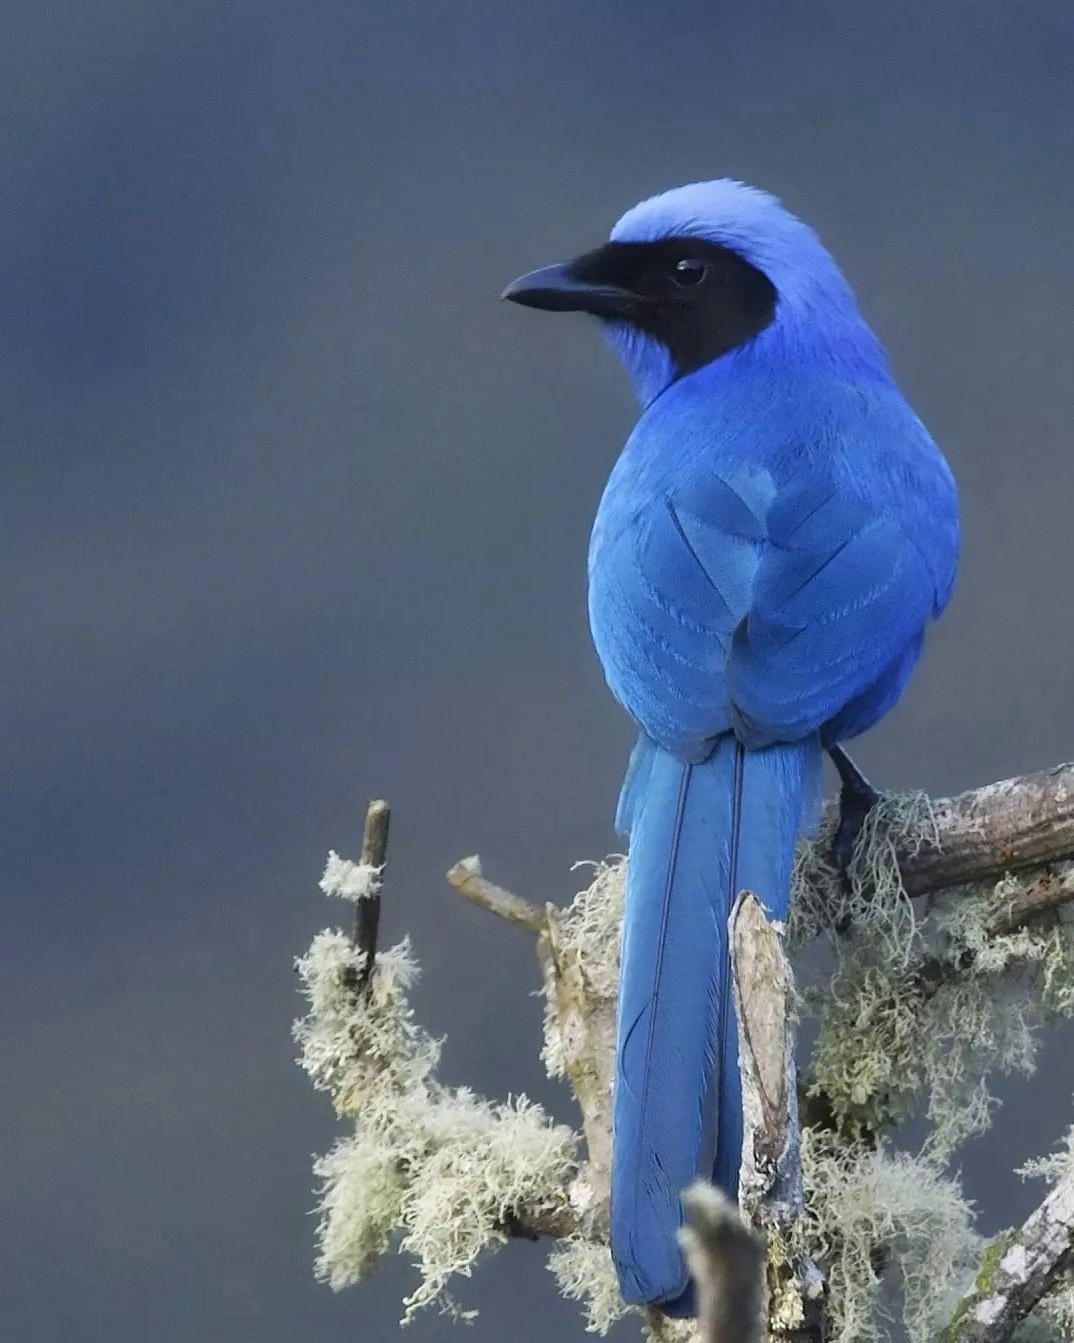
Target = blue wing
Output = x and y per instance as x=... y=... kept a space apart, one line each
x=775 y=587
x=839 y=595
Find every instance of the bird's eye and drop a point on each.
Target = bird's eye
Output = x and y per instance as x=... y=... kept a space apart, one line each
x=689 y=272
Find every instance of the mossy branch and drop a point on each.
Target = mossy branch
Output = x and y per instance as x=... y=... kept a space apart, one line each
x=448 y=1175
x=1011 y=826
x=1017 y=1270
x=1016 y=825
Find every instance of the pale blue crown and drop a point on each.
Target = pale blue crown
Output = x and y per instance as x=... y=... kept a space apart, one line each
x=815 y=309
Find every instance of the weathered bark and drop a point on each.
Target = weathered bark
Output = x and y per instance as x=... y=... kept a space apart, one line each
x=770 y=1178
x=585 y=1020
x=1054 y=887
x=1017 y=1271
x=374 y=853
x=726 y=1260
x=468 y=880
x=1018 y=823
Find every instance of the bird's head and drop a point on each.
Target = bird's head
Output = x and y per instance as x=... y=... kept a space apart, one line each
x=689 y=276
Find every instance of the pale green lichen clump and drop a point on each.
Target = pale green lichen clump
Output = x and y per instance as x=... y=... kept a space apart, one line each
x=869 y=1208
x=822 y=905
x=440 y=1166
x=592 y=924
x=912 y=1008
x=584 y=1272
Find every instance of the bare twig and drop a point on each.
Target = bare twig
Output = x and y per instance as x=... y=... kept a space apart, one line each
x=770 y=1179
x=586 y=1024
x=726 y=1260
x=466 y=878
x=367 y=910
x=1017 y=1271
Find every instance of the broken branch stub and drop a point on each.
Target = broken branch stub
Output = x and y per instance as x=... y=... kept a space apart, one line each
x=770 y=1177
x=367 y=910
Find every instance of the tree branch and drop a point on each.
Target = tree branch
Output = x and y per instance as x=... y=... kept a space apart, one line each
x=770 y=1179
x=726 y=1260
x=1018 y=823
x=1010 y=826
x=367 y=910
x=925 y=977
x=1054 y=887
x=1017 y=1271
x=1024 y=824
x=466 y=878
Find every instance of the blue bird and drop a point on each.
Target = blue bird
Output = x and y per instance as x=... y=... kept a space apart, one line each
x=770 y=546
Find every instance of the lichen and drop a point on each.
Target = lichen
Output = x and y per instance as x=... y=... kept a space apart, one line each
x=1056 y=1166
x=584 y=1272
x=908 y=1012
x=350 y=880
x=361 y=1048
x=874 y=1210
x=443 y=1169
x=482 y=1164
x=663 y=1329
x=589 y=933
x=908 y=1008
x=362 y=1194
x=824 y=904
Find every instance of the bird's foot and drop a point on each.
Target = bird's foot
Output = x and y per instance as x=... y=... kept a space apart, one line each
x=857 y=798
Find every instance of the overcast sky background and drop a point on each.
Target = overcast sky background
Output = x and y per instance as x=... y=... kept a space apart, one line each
x=294 y=512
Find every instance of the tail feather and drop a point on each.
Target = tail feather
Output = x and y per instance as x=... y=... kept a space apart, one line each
x=699 y=833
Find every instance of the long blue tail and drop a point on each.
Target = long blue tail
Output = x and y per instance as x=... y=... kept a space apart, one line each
x=698 y=835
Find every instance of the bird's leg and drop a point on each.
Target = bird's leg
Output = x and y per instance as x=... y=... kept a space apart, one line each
x=856 y=799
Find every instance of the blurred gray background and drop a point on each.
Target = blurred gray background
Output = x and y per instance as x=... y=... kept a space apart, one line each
x=294 y=512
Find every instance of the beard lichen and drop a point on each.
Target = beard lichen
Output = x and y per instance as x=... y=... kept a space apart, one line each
x=825 y=905
x=872 y=1209
x=934 y=1007
x=584 y=1272
x=440 y=1167
x=907 y=1010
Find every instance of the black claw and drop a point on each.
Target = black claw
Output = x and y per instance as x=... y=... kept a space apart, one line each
x=857 y=798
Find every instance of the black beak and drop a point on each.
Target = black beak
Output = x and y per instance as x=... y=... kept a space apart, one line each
x=560 y=289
